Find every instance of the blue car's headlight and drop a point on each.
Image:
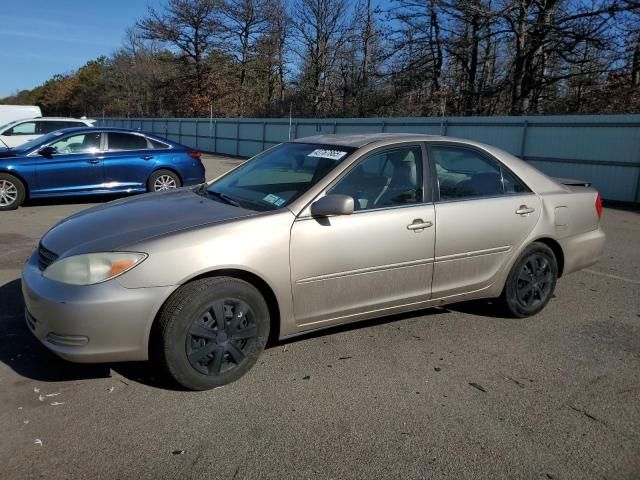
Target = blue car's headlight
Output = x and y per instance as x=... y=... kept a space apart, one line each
x=92 y=268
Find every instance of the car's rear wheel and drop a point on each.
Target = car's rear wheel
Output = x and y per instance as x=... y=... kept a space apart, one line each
x=211 y=332
x=163 y=180
x=531 y=282
x=12 y=192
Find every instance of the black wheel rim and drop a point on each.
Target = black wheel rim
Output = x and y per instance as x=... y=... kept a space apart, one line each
x=218 y=340
x=534 y=281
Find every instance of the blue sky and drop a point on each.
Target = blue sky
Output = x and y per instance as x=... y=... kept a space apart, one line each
x=40 y=38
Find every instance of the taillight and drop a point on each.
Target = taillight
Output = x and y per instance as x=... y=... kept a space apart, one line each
x=195 y=155
x=599 y=205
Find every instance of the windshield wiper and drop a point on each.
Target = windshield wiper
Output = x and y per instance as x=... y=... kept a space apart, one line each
x=223 y=197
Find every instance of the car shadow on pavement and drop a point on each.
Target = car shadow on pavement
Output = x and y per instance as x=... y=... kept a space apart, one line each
x=24 y=354
x=484 y=308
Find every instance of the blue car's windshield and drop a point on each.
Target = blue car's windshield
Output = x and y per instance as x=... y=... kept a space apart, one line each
x=37 y=141
x=278 y=176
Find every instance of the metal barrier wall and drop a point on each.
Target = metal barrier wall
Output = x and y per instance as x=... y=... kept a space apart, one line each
x=602 y=149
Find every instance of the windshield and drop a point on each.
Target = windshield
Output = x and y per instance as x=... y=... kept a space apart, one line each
x=278 y=176
x=7 y=125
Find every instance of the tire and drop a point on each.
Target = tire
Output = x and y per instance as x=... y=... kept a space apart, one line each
x=187 y=343
x=163 y=180
x=12 y=192
x=531 y=281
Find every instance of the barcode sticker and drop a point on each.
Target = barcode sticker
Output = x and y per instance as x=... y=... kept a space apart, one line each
x=332 y=154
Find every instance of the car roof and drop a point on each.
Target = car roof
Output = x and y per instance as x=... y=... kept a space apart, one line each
x=56 y=118
x=358 y=140
x=105 y=129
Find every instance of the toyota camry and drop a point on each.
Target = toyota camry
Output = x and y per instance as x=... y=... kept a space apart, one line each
x=309 y=234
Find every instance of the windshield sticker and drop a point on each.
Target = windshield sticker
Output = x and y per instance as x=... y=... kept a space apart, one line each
x=274 y=200
x=332 y=154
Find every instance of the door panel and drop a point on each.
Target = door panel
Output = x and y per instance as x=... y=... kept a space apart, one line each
x=76 y=168
x=351 y=264
x=129 y=160
x=476 y=237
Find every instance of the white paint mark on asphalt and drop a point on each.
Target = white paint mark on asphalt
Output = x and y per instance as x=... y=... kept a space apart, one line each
x=616 y=277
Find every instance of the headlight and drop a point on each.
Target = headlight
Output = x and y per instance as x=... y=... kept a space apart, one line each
x=92 y=267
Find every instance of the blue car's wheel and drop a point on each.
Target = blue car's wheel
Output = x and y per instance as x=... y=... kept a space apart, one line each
x=12 y=192
x=161 y=180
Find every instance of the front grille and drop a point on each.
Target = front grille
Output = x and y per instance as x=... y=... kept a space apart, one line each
x=45 y=257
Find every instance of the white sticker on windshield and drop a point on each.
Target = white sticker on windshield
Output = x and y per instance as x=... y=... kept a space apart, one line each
x=332 y=154
x=274 y=200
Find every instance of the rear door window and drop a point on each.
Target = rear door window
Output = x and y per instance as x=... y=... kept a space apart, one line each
x=465 y=173
x=45 y=127
x=126 y=141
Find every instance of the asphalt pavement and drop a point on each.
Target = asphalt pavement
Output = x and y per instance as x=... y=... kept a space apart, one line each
x=453 y=392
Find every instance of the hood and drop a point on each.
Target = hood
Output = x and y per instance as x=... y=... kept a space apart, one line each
x=7 y=152
x=127 y=221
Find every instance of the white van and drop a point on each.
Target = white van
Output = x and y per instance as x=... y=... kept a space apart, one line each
x=10 y=113
x=16 y=133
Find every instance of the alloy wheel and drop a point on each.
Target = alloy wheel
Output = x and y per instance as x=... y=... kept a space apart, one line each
x=8 y=193
x=217 y=341
x=164 y=182
x=534 y=281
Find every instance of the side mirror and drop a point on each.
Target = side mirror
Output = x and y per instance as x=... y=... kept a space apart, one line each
x=332 y=205
x=47 y=151
x=8 y=133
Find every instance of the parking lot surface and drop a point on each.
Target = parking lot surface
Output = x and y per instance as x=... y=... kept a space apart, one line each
x=454 y=392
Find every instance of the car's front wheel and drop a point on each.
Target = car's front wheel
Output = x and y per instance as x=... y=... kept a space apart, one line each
x=210 y=332
x=12 y=192
x=531 y=282
x=161 y=180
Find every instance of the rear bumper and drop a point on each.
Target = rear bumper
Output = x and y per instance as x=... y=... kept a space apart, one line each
x=582 y=250
x=98 y=323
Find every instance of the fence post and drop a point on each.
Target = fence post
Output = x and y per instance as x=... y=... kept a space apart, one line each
x=523 y=139
x=334 y=127
x=295 y=131
x=179 y=130
x=197 y=134
x=384 y=125
x=237 y=137
x=264 y=128
x=166 y=128
x=215 y=136
x=443 y=127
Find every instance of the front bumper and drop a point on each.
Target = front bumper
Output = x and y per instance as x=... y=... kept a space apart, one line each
x=96 y=323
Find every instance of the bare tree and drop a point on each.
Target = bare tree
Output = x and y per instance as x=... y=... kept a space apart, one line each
x=188 y=26
x=321 y=28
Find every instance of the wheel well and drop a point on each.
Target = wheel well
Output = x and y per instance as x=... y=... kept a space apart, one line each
x=557 y=251
x=19 y=177
x=172 y=170
x=263 y=288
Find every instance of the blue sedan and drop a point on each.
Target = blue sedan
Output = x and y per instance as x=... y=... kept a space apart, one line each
x=94 y=161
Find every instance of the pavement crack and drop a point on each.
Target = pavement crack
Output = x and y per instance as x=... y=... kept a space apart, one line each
x=586 y=414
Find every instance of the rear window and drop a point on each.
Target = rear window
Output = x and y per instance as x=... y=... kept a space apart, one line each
x=52 y=126
x=127 y=141
x=157 y=144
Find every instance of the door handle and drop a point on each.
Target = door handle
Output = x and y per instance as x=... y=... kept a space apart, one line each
x=147 y=157
x=524 y=210
x=94 y=161
x=419 y=224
